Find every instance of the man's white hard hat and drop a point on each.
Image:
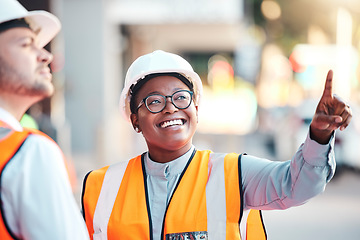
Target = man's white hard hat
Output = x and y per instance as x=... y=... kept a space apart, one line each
x=45 y=24
x=157 y=62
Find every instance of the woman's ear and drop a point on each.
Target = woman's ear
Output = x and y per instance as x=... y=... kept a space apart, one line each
x=135 y=122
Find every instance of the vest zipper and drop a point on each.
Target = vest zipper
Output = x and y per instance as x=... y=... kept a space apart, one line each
x=177 y=184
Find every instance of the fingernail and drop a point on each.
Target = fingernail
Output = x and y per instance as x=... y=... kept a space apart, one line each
x=338 y=120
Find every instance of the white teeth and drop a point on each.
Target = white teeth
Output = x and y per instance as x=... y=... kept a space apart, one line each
x=171 y=123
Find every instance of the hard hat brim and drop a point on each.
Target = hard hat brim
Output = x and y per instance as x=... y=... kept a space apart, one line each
x=45 y=24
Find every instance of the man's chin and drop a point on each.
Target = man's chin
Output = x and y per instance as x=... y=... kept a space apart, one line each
x=48 y=93
x=43 y=92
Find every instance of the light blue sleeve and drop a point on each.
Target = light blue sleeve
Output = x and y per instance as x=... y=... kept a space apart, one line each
x=280 y=185
x=37 y=197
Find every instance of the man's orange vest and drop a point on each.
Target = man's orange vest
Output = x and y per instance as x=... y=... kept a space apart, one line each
x=10 y=143
x=116 y=204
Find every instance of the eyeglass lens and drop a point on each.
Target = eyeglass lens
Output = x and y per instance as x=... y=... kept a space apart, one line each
x=156 y=103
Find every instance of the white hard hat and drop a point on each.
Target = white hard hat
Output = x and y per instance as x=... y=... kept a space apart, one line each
x=157 y=62
x=45 y=24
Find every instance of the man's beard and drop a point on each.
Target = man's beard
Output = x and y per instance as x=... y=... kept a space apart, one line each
x=14 y=82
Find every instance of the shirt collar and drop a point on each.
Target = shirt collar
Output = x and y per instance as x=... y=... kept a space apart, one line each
x=10 y=120
x=168 y=169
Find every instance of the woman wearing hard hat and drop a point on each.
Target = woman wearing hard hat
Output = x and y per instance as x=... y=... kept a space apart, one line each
x=175 y=191
x=36 y=201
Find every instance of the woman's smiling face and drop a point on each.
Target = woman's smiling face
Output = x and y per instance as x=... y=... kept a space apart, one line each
x=169 y=133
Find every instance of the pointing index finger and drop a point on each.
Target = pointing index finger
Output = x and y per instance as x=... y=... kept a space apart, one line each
x=328 y=85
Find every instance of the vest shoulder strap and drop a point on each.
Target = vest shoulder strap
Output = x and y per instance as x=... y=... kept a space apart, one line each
x=10 y=145
x=12 y=142
x=108 y=193
x=94 y=180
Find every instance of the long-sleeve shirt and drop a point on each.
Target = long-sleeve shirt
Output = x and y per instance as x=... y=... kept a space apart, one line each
x=37 y=199
x=266 y=184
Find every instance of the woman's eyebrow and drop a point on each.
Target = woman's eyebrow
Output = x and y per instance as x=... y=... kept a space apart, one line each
x=151 y=93
x=157 y=92
x=177 y=89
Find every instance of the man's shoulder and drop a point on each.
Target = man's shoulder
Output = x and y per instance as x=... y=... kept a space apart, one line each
x=40 y=145
x=40 y=138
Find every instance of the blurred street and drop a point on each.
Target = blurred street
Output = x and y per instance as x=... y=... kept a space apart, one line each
x=333 y=215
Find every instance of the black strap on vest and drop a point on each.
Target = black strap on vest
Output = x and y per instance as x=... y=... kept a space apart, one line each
x=83 y=193
x=241 y=188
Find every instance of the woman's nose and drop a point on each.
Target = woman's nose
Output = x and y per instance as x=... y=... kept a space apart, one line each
x=169 y=106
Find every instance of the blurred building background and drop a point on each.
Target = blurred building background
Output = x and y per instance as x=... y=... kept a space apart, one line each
x=263 y=64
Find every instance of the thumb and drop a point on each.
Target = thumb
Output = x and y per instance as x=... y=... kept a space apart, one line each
x=323 y=121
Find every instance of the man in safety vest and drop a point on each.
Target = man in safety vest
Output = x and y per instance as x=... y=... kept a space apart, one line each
x=36 y=199
x=175 y=191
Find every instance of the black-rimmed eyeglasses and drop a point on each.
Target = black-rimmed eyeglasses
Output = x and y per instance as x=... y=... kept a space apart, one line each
x=155 y=103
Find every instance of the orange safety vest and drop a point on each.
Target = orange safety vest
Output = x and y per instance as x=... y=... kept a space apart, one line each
x=206 y=202
x=10 y=143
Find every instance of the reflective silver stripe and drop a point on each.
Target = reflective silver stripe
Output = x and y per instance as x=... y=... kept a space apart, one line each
x=4 y=132
x=243 y=223
x=215 y=197
x=108 y=193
